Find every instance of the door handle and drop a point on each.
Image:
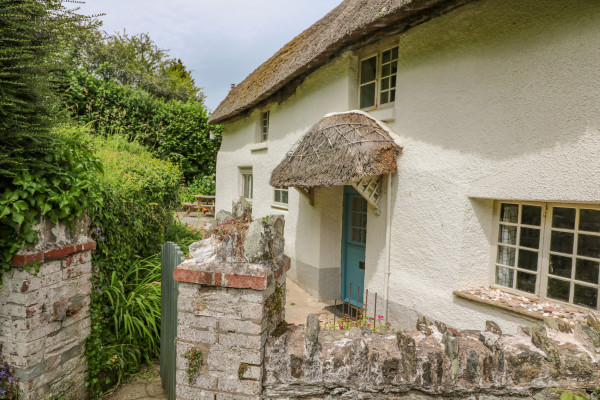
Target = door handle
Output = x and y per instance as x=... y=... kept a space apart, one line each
x=361 y=265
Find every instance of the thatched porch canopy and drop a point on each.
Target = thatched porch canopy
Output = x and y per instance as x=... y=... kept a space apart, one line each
x=339 y=149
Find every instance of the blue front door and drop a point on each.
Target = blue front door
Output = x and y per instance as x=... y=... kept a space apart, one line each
x=354 y=239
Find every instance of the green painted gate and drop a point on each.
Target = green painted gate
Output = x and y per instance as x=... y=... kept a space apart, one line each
x=171 y=256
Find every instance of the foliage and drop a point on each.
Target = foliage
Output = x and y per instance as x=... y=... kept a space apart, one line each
x=348 y=322
x=8 y=387
x=139 y=194
x=200 y=185
x=183 y=235
x=31 y=37
x=135 y=61
x=61 y=194
x=194 y=362
x=172 y=130
x=571 y=394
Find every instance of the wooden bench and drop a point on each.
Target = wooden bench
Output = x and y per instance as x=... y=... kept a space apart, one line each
x=202 y=202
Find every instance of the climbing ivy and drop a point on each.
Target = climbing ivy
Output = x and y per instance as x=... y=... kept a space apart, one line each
x=61 y=194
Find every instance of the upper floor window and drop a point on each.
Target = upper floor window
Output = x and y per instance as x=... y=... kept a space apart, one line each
x=550 y=250
x=377 y=81
x=264 y=126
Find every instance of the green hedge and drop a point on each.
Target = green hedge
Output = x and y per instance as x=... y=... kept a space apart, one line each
x=172 y=130
x=139 y=195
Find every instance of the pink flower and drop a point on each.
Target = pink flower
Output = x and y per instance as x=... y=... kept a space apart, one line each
x=341 y=326
x=380 y=316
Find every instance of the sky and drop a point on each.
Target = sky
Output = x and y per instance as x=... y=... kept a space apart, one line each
x=221 y=41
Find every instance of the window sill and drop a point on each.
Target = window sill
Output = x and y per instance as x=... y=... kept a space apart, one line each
x=522 y=305
x=385 y=114
x=279 y=206
x=259 y=146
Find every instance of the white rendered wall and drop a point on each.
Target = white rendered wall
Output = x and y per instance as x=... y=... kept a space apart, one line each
x=496 y=100
x=311 y=239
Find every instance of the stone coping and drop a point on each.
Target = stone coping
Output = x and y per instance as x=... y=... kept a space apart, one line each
x=536 y=309
x=240 y=275
x=21 y=260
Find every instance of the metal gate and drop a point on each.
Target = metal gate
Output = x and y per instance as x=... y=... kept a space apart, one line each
x=171 y=256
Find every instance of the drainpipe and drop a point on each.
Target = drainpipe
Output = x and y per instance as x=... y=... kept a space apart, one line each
x=388 y=238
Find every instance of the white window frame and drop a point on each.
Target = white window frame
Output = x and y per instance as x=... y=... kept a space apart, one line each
x=246 y=172
x=281 y=190
x=378 y=77
x=543 y=274
x=264 y=117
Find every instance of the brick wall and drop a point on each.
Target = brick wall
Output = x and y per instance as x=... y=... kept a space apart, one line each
x=45 y=318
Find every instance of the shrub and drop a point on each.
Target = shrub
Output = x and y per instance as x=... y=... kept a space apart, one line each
x=139 y=195
x=200 y=185
x=60 y=194
x=172 y=130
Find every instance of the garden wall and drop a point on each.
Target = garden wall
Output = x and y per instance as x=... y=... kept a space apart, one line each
x=232 y=292
x=45 y=318
x=433 y=363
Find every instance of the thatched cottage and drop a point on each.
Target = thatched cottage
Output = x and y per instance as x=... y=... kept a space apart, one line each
x=443 y=154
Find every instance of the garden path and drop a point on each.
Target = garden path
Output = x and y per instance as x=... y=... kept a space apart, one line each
x=146 y=385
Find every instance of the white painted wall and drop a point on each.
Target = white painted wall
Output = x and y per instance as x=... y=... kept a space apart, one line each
x=496 y=100
x=310 y=241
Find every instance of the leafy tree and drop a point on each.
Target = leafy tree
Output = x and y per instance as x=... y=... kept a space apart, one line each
x=31 y=33
x=136 y=61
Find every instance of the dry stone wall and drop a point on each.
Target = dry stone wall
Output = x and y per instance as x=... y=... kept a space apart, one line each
x=45 y=318
x=434 y=362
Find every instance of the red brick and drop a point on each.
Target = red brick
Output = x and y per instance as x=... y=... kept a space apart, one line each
x=218 y=279
x=199 y=277
x=91 y=245
x=59 y=253
x=21 y=260
x=25 y=286
x=245 y=282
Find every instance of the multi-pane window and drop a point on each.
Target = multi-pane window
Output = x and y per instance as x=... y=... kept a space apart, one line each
x=358 y=227
x=377 y=81
x=246 y=183
x=264 y=126
x=280 y=195
x=549 y=250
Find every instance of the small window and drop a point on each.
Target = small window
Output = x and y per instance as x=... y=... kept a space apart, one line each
x=280 y=196
x=377 y=81
x=246 y=189
x=264 y=126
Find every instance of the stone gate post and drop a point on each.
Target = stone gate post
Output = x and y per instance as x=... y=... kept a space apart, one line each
x=227 y=308
x=45 y=319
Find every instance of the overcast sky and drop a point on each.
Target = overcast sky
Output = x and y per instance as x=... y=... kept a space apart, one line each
x=221 y=41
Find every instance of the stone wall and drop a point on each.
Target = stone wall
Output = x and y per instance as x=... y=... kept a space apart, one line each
x=434 y=362
x=45 y=318
x=231 y=298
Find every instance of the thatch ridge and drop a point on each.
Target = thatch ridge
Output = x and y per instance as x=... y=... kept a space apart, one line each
x=347 y=24
x=340 y=148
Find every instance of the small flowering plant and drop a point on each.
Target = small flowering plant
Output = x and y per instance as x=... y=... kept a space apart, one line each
x=8 y=387
x=347 y=322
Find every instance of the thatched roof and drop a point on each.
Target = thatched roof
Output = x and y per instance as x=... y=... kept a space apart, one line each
x=339 y=149
x=352 y=24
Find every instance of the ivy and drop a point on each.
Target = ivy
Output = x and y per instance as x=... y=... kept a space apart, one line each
x=60 y=195
x=194 y=362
